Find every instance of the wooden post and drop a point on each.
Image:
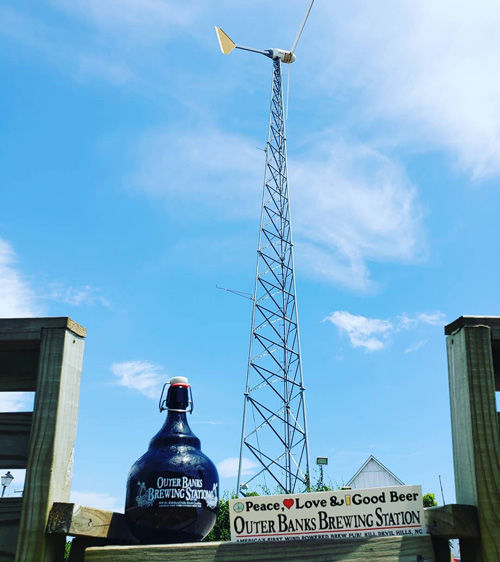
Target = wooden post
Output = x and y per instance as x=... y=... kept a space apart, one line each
x=472 y=343
x=44 y=355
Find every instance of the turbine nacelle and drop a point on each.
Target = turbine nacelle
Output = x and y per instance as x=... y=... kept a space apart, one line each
x=285 y=56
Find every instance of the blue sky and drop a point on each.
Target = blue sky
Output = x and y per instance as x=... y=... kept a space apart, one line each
x=131 y=186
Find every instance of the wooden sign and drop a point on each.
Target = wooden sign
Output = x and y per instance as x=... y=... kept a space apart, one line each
x=372 y=512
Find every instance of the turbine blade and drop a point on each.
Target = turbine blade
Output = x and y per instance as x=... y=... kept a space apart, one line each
x=301 y=28
x=226 y=44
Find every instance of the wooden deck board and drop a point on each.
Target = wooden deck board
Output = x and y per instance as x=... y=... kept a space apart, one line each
x=387 y=549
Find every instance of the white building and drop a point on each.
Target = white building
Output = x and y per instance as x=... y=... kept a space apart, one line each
x=373 y=474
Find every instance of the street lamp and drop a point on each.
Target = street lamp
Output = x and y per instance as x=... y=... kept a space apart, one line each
x=321 y=462
x=6 y=480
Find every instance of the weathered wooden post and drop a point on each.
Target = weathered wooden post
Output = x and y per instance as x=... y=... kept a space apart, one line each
x=473 y=345
x=42 y=355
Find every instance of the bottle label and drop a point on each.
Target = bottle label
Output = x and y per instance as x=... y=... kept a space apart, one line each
x=160 y=490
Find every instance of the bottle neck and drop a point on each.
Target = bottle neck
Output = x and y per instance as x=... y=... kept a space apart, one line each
x=178 y=398
x=175 y=431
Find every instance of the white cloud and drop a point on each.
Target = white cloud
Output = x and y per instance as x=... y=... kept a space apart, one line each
x=142 y=376
x=23 y=29
x=228 y=468
x=433 y=318
x=17 y=299
x=424 y=73
x=429 y=68
x=114 y=72
x=74 y=296
x=220 y=170
x=416 y=346
x=118 y=41
x=16 y=401
x=98 y=500
x=350 y=203
x=144 y=19
x=436 y=318
x=361 y=330
x=374 y=334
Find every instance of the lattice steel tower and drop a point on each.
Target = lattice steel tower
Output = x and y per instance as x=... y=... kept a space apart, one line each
x=274 y=414
x=274 y=432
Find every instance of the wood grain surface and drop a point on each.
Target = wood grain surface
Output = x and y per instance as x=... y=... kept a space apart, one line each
x=50 y=461
x=10 y=513
x=15 y=430
x=476 y=440
x=81 y=521
x=20 y=329
x=390 y=549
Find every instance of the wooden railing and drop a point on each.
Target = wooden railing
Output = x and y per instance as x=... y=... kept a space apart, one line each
x=43 y=355
x=473 y=345
x=93 y=527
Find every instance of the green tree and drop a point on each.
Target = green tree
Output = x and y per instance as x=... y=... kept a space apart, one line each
x=429 y=500
x=221 y=530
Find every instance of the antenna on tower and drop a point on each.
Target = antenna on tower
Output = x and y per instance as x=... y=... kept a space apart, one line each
x=274 y=429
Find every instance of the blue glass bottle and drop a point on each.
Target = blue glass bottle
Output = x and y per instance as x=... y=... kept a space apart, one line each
x=173 y=489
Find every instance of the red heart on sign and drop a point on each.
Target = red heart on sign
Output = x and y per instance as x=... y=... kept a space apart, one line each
x=288 y=503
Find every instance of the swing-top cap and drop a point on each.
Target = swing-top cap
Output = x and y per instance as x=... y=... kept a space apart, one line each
x=181 y=381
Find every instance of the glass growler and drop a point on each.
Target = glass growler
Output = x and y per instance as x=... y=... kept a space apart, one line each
x=173 y=489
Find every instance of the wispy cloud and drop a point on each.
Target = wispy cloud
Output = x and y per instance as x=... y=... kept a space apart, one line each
x=121 y=42
x=76 y=296
x=142 y=376
x=351 y=204
x=99 y=66
x=428 y=68
x=148 y=20
x=424 y=73
x=27 y=31
x=17 y=298
x=16 y=401
x=22 y=299
x=117 y=41
x=215 y=168
x=416 y=346
x=436 y=318
x=374 y=334
x=228 y=468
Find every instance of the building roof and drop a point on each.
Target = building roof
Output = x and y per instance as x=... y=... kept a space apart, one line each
x=374 y=474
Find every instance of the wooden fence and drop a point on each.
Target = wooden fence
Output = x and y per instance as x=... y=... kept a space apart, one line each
x=473 y=345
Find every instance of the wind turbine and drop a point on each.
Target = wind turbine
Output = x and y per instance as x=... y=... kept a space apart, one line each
x=274 y=429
